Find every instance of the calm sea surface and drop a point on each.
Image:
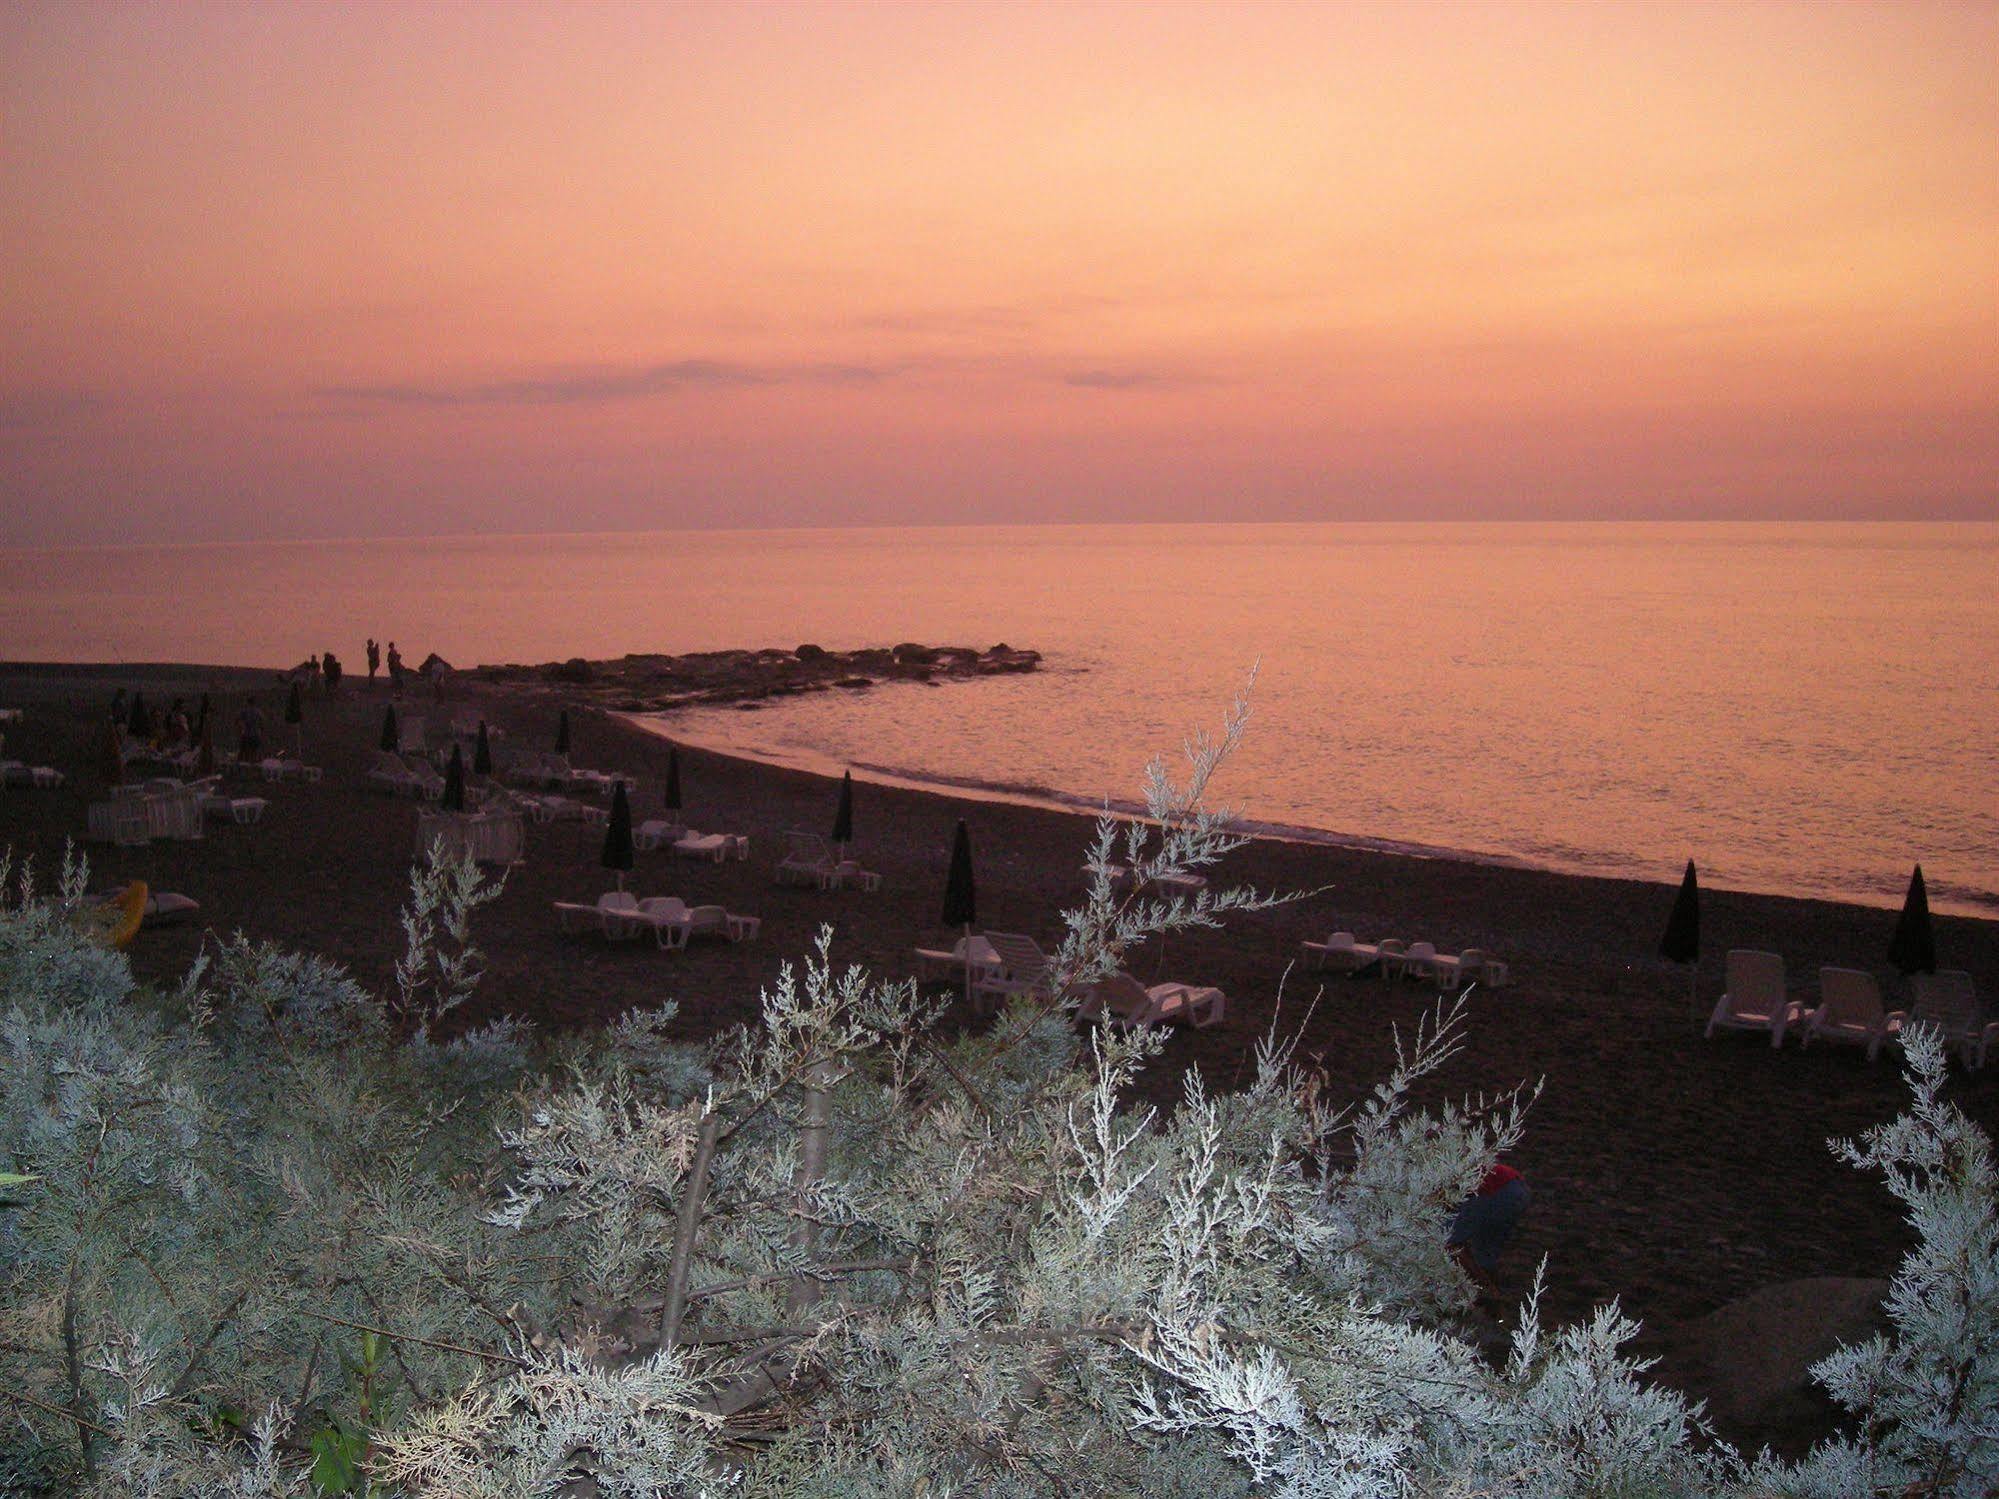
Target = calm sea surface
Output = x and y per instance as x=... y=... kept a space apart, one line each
x=1804 y=709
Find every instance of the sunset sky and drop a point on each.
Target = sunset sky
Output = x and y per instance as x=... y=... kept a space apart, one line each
x=300 y=270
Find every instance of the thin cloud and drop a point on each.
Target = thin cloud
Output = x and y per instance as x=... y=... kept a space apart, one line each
x=1130 y=379
x=594 y=386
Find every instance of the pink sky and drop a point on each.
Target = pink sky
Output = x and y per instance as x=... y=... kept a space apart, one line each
x=300 y=270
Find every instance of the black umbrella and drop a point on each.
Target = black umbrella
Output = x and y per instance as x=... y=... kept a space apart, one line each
x=843 y=819
x=618 y=834
x=482 y=753
x=201 y=718
x=453 y=799
x=961 y=898
x=562 y=733
x=673 y=779
x=295 y=716
x=1682 y=941
x=135 y=721
x=390 y=736
x=1913 y=948
x=204 y=760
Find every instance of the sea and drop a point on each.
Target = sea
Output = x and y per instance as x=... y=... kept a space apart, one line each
x=1804 y=709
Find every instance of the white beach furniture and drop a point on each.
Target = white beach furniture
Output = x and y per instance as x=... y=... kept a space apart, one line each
x=807 y=860
x=1756 y=999
x=1130 y=1003
x=1850 y=1011
x=656 y=833
x=1947 y=1002
x=605 y=916
x=714 y=847
x=667 y=918
x=936 y=965
x=848 y=874
x=1023 y=969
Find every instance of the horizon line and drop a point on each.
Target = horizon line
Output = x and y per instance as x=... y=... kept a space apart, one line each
x=217 y=543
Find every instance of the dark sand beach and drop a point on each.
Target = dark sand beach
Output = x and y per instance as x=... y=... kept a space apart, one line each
x=1675 y=1173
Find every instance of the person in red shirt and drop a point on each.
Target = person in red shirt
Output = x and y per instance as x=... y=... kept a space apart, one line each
x=1485 y=1221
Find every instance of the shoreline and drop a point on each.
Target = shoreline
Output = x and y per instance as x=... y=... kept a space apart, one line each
x=1674 y=1173
x=660 y=724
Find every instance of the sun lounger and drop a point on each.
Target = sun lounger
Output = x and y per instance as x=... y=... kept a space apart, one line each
x=714 y=921
x=657 y=833
x=1947 y=1002
x=1339 y=952
x=276 y=768
x=1129 y=1003
x=122 y=821
x=609 y=908
x=715 y=847
x=1410 y=962
x=806 y=861
x=16 y=773
x=848 y=874
x=1850 y=1011
x=1023 y=969
x=1756 y=999
x=667 y=918
x=935 y=965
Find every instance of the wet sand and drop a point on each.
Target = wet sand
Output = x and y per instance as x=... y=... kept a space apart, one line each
x=1675 y=1173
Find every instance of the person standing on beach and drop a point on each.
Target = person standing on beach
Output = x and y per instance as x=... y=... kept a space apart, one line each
x=374 y=658
x=330 y=665
x=251 y=723
x=395 y=670
x=1484 y=1223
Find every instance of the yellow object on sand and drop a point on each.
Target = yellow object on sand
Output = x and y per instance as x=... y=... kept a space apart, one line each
x=116 y=922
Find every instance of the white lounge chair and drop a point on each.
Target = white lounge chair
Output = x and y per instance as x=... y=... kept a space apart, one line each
x=1756 y=999
x=605 y=915
x=657 y=833
x=1130 y=1003
x=387 y=773
x=1340 y=952
x=848 y=874
x=715 y=921
x=1024 y=969
x=667 y=918
x=936 y=965
x=122 y=821
x=1850 y=1011
x=1412 y=962
x=807 y=860
x=1947 y=1002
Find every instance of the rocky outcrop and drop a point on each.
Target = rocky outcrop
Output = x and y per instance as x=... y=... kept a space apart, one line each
x=653 y=683
x=1758 y=1351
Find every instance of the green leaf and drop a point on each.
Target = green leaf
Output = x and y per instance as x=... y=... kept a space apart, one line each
x=336 y=1459
x=15 y=1179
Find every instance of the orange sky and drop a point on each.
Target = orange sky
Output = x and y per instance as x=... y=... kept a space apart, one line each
x=300 y=270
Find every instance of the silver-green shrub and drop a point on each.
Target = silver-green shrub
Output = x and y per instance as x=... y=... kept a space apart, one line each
x=279 y=1239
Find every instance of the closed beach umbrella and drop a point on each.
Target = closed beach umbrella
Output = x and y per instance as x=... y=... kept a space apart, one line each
x=843 y=819
x=112 y=756
x=618 y=835
x=204 y=762
x=135 y=723
x=961 y=897
x=1682 y=941
x=482 y=753
x=295 y=716
x=673 y=779
x=389 y=737
x=562 y=733
x=453 y=799
x=1913 y=948
x=201 y=718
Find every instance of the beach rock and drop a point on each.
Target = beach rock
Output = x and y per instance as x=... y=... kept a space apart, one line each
x=809 y=652
x=1759 y=1350
x=910 y=654
x=855 y=683
x=575 y=669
